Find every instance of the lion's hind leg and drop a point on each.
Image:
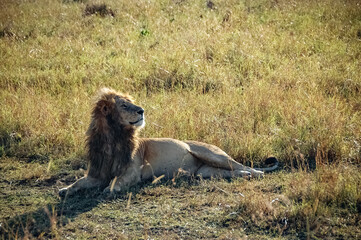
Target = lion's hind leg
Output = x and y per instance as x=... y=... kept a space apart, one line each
x=210 y=172
x=215 y=157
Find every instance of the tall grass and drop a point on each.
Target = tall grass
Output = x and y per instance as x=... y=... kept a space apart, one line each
x=305 y=205
x=256 y=78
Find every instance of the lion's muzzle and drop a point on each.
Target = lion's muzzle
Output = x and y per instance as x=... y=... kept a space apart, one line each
x=140 y=122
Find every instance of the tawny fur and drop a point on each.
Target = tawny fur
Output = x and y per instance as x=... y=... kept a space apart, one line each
x=116 y=153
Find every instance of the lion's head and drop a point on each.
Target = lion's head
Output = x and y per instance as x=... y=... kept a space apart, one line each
x=112 y=134
x=118 y=109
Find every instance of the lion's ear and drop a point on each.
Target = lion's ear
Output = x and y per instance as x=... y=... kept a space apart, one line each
x=104 y=108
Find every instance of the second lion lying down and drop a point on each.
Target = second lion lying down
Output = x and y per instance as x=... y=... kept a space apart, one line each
x=119 y=159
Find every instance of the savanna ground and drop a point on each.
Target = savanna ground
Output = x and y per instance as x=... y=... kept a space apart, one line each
x=256 y=78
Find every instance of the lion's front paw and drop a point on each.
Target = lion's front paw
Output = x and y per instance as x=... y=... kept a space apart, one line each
x=106 y=190
x=110 y=190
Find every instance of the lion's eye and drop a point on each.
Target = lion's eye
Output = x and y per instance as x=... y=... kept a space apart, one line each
x=124 y=106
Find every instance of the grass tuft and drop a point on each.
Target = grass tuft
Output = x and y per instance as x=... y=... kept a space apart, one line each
x=98 y=9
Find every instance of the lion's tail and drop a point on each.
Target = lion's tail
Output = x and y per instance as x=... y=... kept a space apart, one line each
x=269 y=161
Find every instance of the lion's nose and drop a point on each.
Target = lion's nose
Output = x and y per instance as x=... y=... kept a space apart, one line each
x=141 y=111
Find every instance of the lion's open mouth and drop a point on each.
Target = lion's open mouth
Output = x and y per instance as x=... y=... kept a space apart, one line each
x=136 y=121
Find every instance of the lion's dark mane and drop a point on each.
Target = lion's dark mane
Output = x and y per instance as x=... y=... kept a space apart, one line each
x=110 y=145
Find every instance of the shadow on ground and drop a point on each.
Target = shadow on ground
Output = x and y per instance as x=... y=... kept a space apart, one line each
x=43 y=222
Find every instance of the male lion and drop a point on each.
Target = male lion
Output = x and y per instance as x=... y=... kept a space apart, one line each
x=118 y=158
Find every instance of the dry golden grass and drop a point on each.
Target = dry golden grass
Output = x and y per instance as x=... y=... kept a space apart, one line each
x=256 y=78
x=253 y=77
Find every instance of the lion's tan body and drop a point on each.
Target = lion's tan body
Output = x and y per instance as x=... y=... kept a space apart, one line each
x=166 y=156
x=114 y=127
x=154 y=156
